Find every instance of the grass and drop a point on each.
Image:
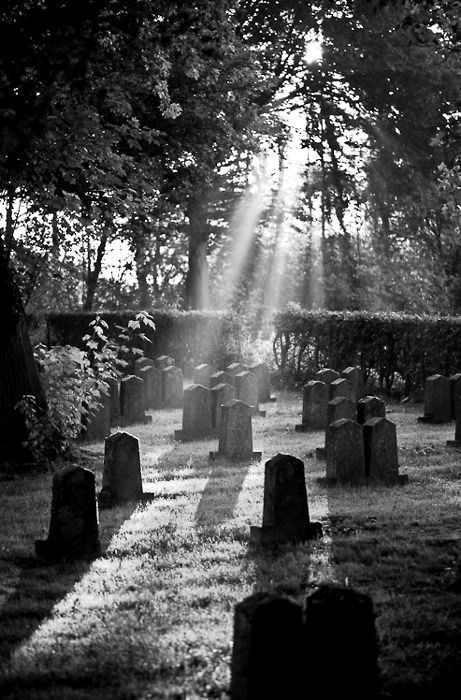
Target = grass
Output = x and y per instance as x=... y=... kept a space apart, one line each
x=152 y=617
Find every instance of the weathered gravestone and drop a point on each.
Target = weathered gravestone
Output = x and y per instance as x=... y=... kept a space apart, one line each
x=345 y=453
x=455 y=392
x=247 y=390
x=202 y=374
x=172 y=387
x=340 y=646
x=114 y=393
x=381 y=456
x=286 y=511
x=236 y=434
x=140 y=363
x=457 y=441
x=163 y=361
x=132 y=401
x=152 y=378
x=342 y=387
x=357 y=379
x=97 y=424
x=340 y=407
x=267 y=654
x=121 y=480
x=235 y=367
x=74 y=531
x=437 y=400
x=221 y=378
x=370 y=407
x=326 y=375
x=219 y=394
x=315 y=400
x=262 y=373
x=196 y=413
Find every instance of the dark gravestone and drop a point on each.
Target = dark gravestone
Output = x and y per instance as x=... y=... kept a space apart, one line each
x=121 y=480
x=172 y=387
x=286 y=511
x=437 y=400
x=219 y=395
x=267 y=654
x=97 y=424
x=114 y=392
x=457 y=441
x=315 y=400
x=202 y=374
x=455 y=392
x=140 y=363
x=326 y=375
x=340 y=644
x=163 y=361
x=345 y=452
x=370 y=407
x=247 y=390
x=221 y=378
x=262 y=373
x=235 y=367
x=381 y=456
x=196 y=413
x=74 y=531
x=236 y=434
x=340 y=407
x=132 y=401
x=357 y=379
x=152 y=378
x=342 y=387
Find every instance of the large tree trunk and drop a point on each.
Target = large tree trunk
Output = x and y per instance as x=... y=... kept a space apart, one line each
x=18 y=371
x=197 y=280
x=93 y=274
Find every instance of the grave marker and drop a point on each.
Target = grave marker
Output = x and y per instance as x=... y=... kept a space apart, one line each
x=326 y=375
x=262 y=373
x=163 y=361
x=455 y=392
x=370 y=407
x=235 y=367
x=236 y=435
x=98 y=424
x=221 y=378
x=114 y=392
x=437 y=400
x=342 y=387
x=202 y=374
x=132 y=401
x=219 y=394
x=381 y=456
x=247 y=390
x=340 y=407
x=121 y=481
x=315 y=400
x=172 y=387
x=152 y=378
x=345 y=453
x=357 y=379
x=196 y=413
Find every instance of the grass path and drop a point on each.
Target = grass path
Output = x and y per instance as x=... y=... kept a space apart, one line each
x=152 y=617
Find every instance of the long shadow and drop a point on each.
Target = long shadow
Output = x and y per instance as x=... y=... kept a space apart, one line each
x=221 y=492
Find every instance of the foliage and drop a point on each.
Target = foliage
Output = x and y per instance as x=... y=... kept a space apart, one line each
x=390 y=345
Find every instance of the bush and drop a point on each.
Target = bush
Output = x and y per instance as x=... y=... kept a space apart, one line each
x=389 y=346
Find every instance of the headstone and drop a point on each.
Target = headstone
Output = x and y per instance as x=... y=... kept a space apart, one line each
x=286 y=511
x=140 y=363
x=267 y=653
x=202 y=374
x=370 y=407
x=326 y=375
x=98 y=423
x=235 y=367
x=163 y=361
x=152 y=378
x=221 y=378
x=132 y=401
x=340 y=407
x=357 y=379
x=262 y=374
x=172 y=387
x=457 y=441
x=196 y=413
x=455 y=392
x=114 y=392
x=381 y=456
x=121 y=480
x=315 y=400
x=247 y=390
x=437 y=400
x=219 y=394
x=342 y=387
x=236 y=435
x=345 y=452
x=74 y=531
x=340 y=644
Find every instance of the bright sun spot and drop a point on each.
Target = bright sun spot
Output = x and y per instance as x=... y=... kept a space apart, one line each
x=313 y=51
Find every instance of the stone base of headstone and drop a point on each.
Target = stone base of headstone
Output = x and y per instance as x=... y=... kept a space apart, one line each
x=320 y=454
x=430 y=419
x=453 y=443
x=258 y=412
x=216 y=456
x=185 y=436
x=301 y=428
x=48 y=551
x=327 y=481
x=270 y=535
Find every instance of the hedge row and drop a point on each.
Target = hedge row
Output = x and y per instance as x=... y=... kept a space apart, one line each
x=187 y=336
x=390 y=346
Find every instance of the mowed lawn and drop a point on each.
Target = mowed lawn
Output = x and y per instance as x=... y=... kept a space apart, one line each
x=153 y=616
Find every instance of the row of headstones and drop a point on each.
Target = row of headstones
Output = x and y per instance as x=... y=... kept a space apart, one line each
x=441 y=398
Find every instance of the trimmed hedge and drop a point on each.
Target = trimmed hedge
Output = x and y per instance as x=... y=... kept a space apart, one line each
x=187 y=336
x=391 y=346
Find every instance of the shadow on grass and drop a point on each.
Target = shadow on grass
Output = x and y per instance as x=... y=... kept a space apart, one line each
x=221 y=492
x=37 y=586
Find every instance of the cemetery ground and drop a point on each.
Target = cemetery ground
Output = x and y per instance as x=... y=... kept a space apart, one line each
x=153 y=616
